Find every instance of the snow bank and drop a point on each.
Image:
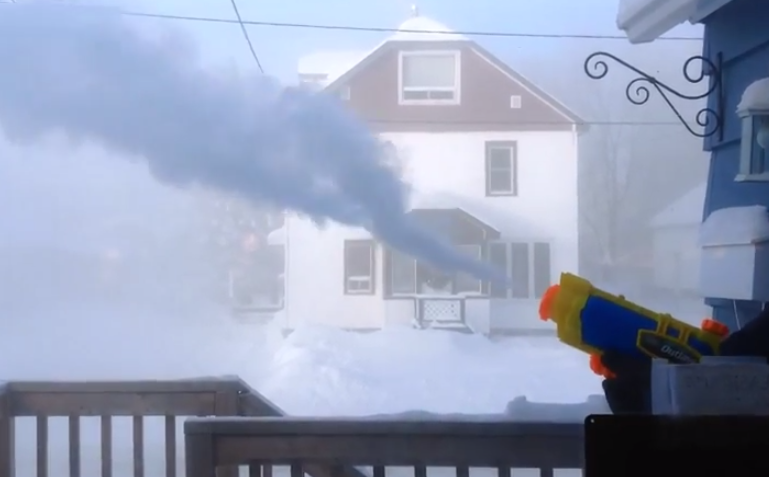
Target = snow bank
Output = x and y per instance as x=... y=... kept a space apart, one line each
x=316 y=371
x=735 y=225
x=519 y=409
x=320 y=371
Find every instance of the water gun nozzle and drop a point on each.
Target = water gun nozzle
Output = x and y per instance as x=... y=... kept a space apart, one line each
x=546 y=304
x=714 y=327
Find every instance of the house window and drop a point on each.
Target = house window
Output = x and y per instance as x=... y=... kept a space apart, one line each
x=359 y=267
x=498 y=258
x=501 y=169
x=403 y=274
x=429 y=77
x=519 y=270
x=542 y=278
x=465 y=283
x=753 y=149
x=515 y=102
x=407 y=276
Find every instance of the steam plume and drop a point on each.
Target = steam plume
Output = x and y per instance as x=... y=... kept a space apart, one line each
x=87 y=73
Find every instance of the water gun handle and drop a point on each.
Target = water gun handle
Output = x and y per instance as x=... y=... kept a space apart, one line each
x=708 y=325
x=598 y=368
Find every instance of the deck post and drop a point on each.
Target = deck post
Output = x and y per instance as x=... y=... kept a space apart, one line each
x=198 y=453
x=7 y=434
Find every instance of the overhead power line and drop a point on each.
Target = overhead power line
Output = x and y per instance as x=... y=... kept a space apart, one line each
x=317 y=26
x=245 y=35
x=521 y=123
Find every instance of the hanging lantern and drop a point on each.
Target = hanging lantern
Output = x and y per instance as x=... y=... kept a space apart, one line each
x=754 y=146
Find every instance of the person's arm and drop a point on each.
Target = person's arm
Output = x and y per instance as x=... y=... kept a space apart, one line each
x=629 y=391
x=751 y=340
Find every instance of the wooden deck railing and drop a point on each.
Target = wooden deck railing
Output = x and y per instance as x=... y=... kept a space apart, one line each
x=218 y=443
x=337 y=444
x=106 y=401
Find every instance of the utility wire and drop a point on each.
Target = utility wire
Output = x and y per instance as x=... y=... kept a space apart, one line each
x=243 y=24
x=522 y=123
x=245 y=35
x=317 y=26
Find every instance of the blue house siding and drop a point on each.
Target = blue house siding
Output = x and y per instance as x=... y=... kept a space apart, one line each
x=740 y=33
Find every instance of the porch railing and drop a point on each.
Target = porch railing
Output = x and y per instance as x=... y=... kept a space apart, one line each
x=338 y=444
x=137 y=402
x=440 y=311
x=223 y=437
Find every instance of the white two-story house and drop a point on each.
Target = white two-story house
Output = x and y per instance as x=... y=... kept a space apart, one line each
x=493 y=162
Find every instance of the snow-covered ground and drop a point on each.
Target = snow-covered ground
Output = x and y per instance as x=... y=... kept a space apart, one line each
x=314 y=371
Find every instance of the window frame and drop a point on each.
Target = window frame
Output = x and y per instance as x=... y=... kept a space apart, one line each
x=536 y=247
x=497 y=290
x=347 y=277
x=512 y=146
x=456 y=89
x=478 y=248
x=532 y=277
x=400 y=294
x=749 y=151
x=514 y=295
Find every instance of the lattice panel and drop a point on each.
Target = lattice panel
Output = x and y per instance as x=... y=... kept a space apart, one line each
x=442 y=310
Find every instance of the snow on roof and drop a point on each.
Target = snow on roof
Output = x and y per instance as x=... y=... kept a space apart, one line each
x=735 y=226
x=420 y=28
x=277 y=236
x=755 y=98
x=333 y=64
x=686 y=210
x=646 y=20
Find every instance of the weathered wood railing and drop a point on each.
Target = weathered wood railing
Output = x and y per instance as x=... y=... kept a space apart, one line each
x=170 y=400
x=218 y=443
x=109 y=401
x=336 y=444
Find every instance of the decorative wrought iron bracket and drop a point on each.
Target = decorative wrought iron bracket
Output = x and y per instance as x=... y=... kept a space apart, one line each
x=711 y=119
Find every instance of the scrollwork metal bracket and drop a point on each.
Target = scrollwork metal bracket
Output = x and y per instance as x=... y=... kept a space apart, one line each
x=710 y=119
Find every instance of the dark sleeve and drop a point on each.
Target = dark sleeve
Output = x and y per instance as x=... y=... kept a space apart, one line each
x=627 y=396
x=751 y=340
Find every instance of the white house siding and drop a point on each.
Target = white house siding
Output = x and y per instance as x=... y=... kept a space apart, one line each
x=315 y=279
x=545 y=210
x=546 y=203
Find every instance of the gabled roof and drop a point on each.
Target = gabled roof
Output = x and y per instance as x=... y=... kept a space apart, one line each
x=686 y=210
x=418 y=29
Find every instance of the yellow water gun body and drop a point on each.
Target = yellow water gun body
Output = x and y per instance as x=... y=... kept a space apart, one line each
x=594 y=321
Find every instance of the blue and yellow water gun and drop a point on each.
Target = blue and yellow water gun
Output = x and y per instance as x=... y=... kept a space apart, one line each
x=593 y=321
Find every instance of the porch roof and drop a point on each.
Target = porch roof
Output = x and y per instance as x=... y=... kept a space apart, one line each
x=504 y=222
x=646 y=20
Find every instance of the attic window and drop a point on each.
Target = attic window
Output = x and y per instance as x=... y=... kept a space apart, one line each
x=428 y=77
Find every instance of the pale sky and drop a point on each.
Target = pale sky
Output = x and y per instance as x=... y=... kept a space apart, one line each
x=280 y=48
